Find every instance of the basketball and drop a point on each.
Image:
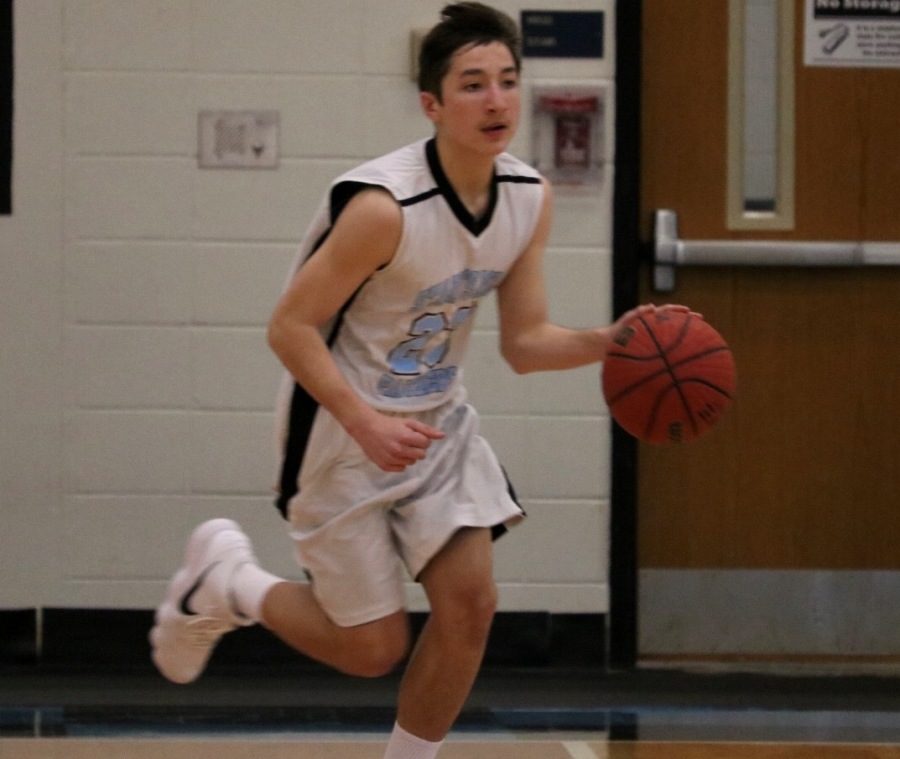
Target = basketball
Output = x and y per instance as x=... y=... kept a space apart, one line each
x=668 y=377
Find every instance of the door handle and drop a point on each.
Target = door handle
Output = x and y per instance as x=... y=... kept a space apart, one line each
x=670 y=252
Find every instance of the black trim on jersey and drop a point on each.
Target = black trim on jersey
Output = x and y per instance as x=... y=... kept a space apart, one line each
x=341 y=195
x=303 y=413
x=302 y=416
x=303 y=405
x=517 y=179
x=420 y=197
x=475 y=225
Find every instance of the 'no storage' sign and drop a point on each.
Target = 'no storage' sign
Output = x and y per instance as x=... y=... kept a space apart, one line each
x=852 y=33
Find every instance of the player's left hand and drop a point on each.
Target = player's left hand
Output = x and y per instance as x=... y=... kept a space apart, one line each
x=645 y=309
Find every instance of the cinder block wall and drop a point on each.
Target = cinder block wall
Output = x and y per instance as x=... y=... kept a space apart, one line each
x=146 y=317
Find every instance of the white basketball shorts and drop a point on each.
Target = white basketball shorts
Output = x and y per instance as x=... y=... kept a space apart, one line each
x=359 y=530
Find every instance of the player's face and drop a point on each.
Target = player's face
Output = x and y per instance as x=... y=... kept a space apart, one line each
x=480 y=99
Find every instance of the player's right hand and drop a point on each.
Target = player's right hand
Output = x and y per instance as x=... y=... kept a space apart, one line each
x=394 y=443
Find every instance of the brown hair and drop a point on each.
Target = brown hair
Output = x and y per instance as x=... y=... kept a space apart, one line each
x=465 y=23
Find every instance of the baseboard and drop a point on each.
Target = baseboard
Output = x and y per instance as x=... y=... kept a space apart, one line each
x=787 y=613
x=18 y=636
x=116 y=639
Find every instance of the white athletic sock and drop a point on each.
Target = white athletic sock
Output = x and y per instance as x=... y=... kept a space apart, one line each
x=250 y=584
x=404 y=745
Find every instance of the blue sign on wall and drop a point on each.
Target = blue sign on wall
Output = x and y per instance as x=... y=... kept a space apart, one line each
x=562 y=34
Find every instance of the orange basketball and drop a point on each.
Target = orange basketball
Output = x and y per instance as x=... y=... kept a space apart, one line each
x=669 y=377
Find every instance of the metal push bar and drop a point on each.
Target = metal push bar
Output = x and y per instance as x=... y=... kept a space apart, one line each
x=669 y=252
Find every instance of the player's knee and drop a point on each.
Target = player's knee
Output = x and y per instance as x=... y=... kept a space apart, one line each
x=377 y=661
x=483 y=606
x=376 y=655
x=469 y=611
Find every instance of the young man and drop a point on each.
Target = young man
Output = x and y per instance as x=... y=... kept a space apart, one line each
x=384 y=471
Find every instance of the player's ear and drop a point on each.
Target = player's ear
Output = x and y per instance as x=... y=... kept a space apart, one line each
x=430 y=105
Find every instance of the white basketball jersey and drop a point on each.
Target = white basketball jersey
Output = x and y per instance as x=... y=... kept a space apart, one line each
x=401 y=339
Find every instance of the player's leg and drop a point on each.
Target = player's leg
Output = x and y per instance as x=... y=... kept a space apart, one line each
x=371 y=649
x=221 y=586
x=461 y=591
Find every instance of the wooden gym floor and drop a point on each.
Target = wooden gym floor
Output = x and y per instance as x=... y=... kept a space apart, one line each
x=461 y=749
x=575 y=714
x=470 y=747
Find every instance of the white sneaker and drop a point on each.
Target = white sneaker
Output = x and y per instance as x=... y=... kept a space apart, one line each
x=197 y=609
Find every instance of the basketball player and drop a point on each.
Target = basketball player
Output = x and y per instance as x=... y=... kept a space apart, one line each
x=384 y=471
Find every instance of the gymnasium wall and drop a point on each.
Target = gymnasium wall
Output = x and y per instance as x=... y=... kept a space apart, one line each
x=137 y=385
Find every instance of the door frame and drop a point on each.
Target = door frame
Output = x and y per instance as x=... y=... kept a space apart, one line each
x=628 y=253
x=6 y=106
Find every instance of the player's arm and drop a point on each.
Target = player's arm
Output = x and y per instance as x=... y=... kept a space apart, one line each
x=529 y=342
x=363 y=239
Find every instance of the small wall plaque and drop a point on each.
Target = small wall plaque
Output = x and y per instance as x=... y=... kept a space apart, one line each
x=238 y=139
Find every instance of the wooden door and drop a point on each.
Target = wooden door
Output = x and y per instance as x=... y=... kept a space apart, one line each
x=804 y=472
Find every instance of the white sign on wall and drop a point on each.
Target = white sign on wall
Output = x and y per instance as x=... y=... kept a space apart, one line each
x=851 y=33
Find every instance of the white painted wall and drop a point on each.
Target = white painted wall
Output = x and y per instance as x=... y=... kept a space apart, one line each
x=136 y=287
x=31 y=378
